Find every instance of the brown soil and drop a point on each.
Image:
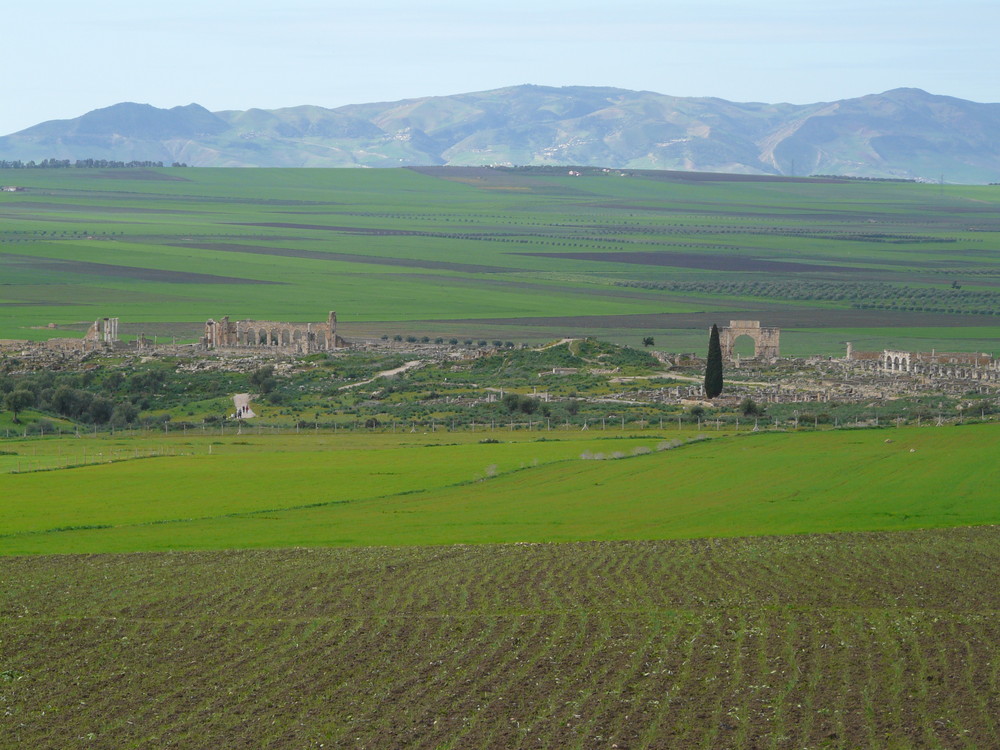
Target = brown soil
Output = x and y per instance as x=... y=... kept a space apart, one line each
x=702 y=261
x=544 y=289
x=140 y=174
x=70 y=207
x=347 y=257
x=496 y=175
x=675 y=176
x=839 y=640
x=774 y=315
x=127 y=272
x=365 y=231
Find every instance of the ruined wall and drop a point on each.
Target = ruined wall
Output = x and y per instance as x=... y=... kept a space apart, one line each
x=940 y=365
x=292 y=338
x=765 y=340
x=102 y=334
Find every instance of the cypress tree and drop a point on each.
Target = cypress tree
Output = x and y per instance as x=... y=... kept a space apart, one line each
x=713 y=367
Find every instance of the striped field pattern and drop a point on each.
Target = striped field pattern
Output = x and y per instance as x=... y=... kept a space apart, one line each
x=836 y=640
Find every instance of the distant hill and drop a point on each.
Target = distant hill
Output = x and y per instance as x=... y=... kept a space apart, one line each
x=903 y=133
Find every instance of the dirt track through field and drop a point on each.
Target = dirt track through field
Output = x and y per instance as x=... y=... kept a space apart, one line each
x=406 y=367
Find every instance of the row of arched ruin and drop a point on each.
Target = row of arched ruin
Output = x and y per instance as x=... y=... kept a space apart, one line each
x=257 y=334
x=907 y=362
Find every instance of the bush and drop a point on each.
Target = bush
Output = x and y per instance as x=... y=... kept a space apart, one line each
x=515 y=402
x=123 y=415
x=100 y=410
x=263 y=378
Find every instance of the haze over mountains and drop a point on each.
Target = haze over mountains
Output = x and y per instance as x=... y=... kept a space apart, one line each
x=903 y=133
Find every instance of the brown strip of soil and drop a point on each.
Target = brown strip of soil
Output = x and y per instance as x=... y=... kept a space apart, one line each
x=128 y=272
x=699 y=260
x=772 y=316
x=347 y=257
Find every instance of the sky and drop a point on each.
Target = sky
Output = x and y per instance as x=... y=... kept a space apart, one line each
x=63 y=58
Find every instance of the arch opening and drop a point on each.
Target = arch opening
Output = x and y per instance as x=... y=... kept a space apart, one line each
x=744 y=346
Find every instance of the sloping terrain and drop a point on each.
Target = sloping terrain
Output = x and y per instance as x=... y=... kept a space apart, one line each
x=904 y=133
x=213 y=492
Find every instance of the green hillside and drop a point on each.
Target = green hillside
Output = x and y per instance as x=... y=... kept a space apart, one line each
x=902 y=133
x=448 y=488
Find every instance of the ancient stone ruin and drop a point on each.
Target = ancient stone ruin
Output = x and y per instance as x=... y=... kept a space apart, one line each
x=765 y=340
x=102 y=334
x=266 y=335
x=933 y=365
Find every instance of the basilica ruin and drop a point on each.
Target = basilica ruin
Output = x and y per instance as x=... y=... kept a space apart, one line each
x=266 y=335
x=102 y=334
x=933 y=365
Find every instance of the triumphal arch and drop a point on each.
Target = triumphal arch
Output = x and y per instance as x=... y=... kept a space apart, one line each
x=290 y=338
x=765 y=340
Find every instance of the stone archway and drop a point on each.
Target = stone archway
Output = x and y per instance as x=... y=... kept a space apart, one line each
x=765 y=340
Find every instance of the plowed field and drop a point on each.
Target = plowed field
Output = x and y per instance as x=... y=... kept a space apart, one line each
x=842 y=640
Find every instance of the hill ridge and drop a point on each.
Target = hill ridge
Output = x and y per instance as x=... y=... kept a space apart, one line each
x=900 y=133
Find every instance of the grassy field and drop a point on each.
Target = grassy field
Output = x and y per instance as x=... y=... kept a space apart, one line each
x=449 y=488
x=660 y=585
x=529 y=255
x=839 y=640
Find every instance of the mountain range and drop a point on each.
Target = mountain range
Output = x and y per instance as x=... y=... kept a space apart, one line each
x=902 y=133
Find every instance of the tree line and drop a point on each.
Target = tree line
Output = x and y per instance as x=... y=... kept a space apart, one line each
x=83 y=164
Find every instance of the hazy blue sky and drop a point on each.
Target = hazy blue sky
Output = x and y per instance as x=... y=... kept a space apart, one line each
x=66 y=57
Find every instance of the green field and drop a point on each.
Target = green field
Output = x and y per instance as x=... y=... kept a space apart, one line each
x=501 y=589
x=450 y=488
x=527 y=255
x=881 y=640
x=476 y=554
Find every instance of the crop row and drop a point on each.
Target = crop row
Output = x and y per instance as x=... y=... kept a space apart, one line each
x=839 y=640
x=861 y=295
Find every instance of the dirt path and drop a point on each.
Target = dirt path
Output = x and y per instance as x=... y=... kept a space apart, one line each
x=560 y=342
x=386 y=374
